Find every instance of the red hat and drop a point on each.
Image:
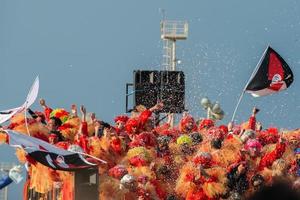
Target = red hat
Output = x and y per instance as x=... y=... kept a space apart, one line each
x=137 y=161
x=224 y=129
x=52 y=136
x=203 y=158
x=122 y=118
x=206 y=123
x=186 y=119
x=118 y=171
x=133 y=122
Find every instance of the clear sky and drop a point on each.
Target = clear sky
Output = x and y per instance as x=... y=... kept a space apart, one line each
x=85 y=52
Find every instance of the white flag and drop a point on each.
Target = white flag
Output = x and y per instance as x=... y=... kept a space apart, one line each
x=31 y=97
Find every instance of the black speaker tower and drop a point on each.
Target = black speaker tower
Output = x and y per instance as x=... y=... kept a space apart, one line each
x=146 y=87
x=152 y=86
x=172 y=91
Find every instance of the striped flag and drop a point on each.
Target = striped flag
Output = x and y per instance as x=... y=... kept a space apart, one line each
x=48 y=154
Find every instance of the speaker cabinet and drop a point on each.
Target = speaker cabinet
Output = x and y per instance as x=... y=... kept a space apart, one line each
x=86 y=184
x=146 y=87
x=172 y=91
x=167 y=86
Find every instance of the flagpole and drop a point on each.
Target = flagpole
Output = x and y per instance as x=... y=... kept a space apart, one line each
x=237 y=105
x=244 y=90
x=85 y=154
x=26 y=124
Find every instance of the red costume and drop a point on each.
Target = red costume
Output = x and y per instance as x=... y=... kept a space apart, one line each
x=252 y=123
x=122 y=119
x=138 y=122
x=268 y=159
x=206 y=124
x=184 y=123
x=82 y=141
x=268 y=136
x=47 y=112
x=197 y=194
x=146 y=139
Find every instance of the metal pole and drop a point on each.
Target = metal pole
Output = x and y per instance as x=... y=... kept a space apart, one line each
x=173 y=55
x=173 y=68
x=237 y=105
x=26 y=123
x=208 y=113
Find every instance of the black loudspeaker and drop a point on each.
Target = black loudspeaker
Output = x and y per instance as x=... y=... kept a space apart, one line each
x=146 y=87
x=172 y=91
x=167 y=86
x=86 y=184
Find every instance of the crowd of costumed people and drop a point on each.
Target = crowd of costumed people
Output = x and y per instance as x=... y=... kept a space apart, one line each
x=194 y=160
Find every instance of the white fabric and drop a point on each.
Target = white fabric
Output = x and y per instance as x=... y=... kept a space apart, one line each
x=31 y=97
x=10 y=112
x=33 y=93
x=265 y=92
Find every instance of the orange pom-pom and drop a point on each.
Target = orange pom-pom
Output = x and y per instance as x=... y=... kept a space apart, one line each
x=3 y=138
x=21 y=155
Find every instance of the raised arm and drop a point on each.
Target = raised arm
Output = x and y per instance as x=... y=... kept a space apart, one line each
x=252 y=119
x=74 y=110
x=47 y=110
x=83 y=126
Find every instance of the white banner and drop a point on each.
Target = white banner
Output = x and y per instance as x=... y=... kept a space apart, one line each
x=31 y=97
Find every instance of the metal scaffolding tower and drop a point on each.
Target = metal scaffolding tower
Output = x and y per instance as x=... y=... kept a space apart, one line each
x=171 y=31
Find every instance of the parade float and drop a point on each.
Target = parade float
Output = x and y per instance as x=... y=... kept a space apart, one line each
x=143 y=155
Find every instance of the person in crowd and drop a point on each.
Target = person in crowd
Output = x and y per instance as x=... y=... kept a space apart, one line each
x=187 y=124
x=82 y=135
x=53 y=124
x=120 y=122
x=237 y=178
x=47 y=110
x=38 y=116
x=252 y=119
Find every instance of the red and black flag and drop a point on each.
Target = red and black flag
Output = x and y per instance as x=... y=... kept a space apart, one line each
x=272 y=75
x=47 y=154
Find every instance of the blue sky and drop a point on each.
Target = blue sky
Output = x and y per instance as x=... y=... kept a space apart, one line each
x=85 y=52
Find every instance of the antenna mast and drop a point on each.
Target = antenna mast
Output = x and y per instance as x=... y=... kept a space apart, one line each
x=171 y=31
